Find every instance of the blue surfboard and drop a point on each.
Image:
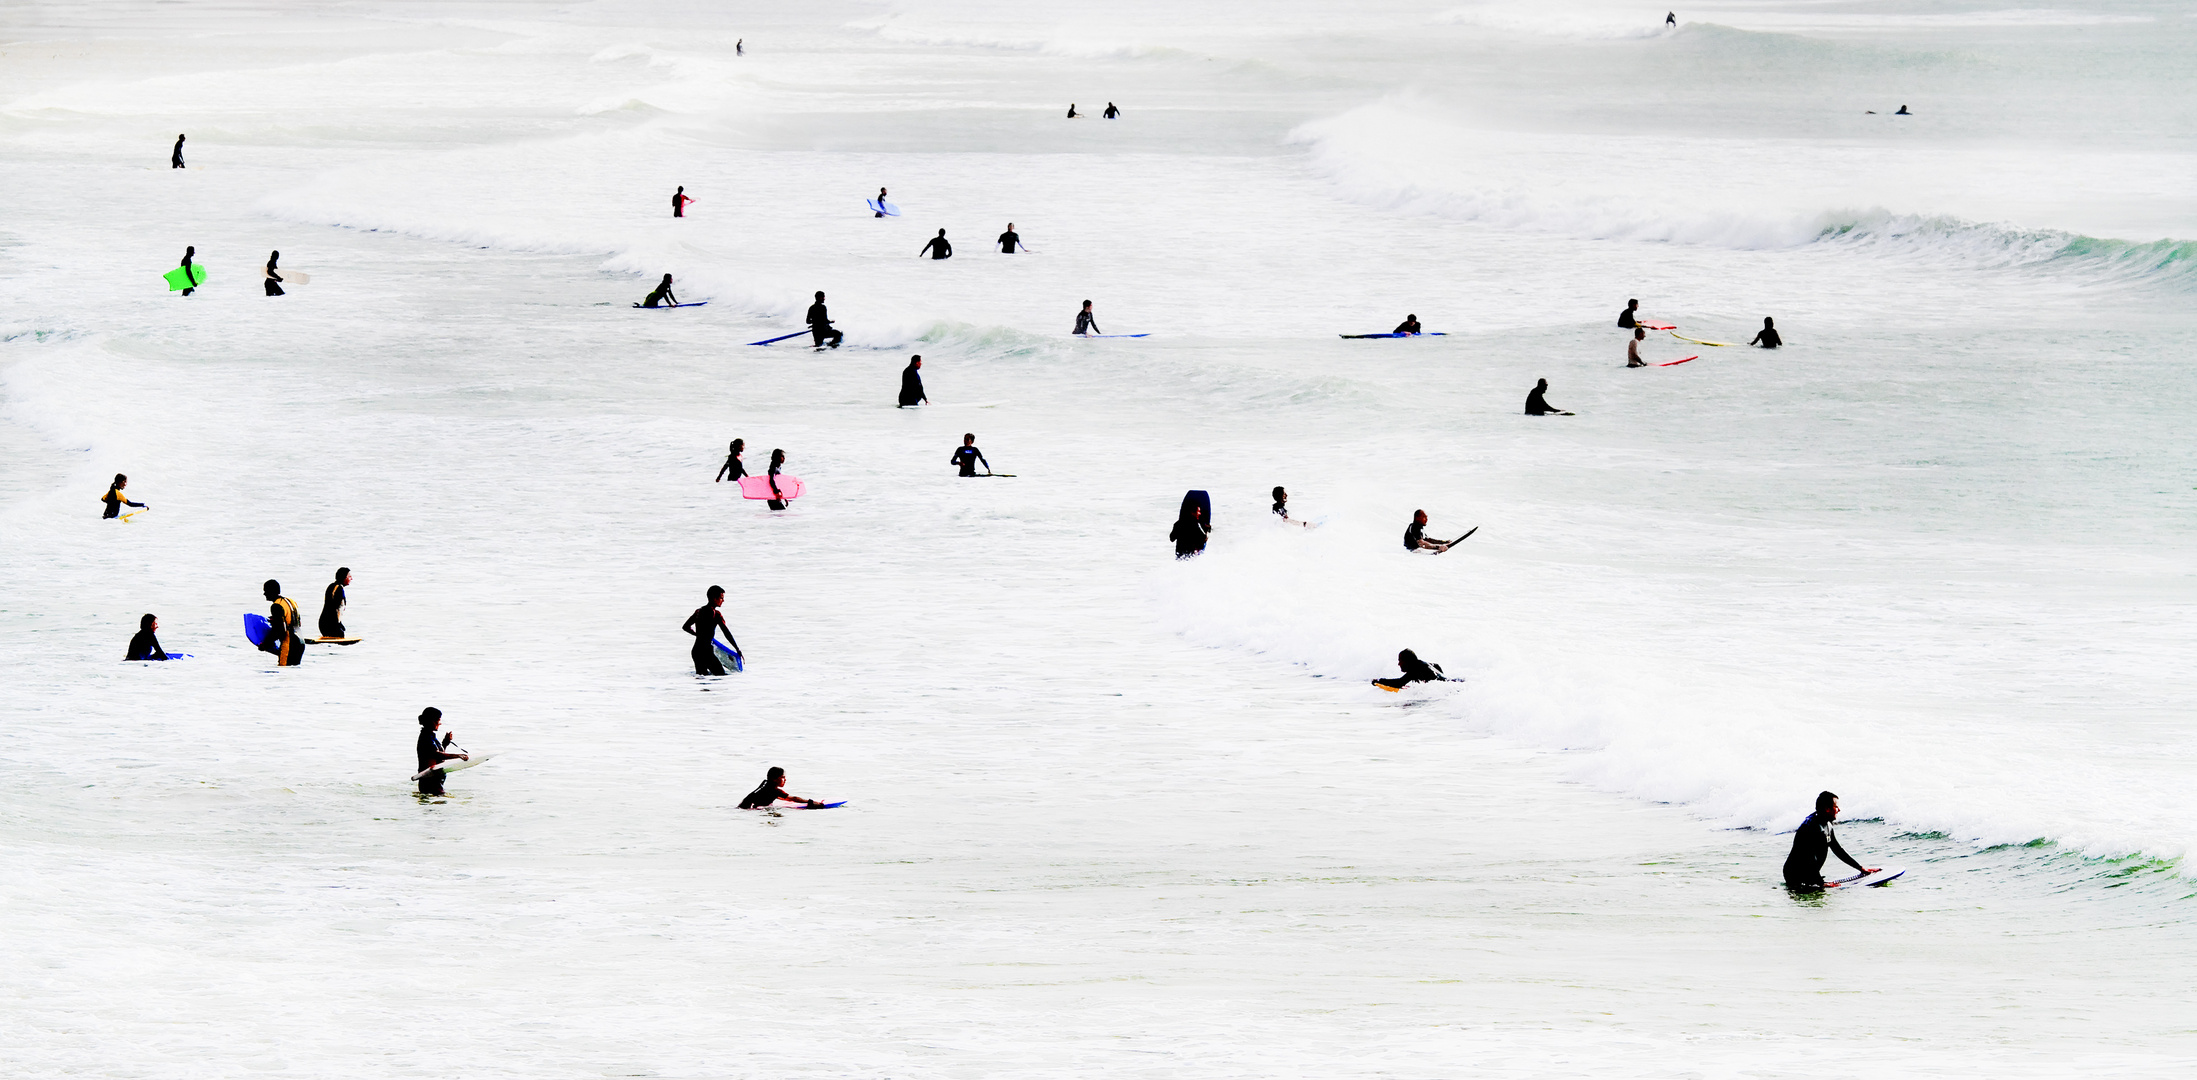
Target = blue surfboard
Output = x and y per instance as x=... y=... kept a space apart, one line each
x=256 y=627
x=885 y=208
x=1108 y=335
x=667 y=307
x=781 y=337
x=826 y=806
x=1430 y=333
x=727 y=656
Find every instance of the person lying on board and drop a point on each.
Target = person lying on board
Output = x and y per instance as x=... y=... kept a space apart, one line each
x=773 y=791
x=1629 y=317
x=1410 y=325
x=1414 y=670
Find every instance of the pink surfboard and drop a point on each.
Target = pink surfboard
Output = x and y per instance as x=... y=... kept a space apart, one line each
x=758 y=487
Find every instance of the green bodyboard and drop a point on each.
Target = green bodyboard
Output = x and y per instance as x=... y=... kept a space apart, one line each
x=176 y=279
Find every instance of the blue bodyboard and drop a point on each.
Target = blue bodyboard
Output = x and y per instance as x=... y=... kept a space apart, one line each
x=256 y=627
x=1202 y=501
x=728 y=656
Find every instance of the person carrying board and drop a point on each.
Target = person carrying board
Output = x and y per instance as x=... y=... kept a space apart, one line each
x=1813 y=843
x=820 y=322
x=911 y=384
x=115 y=500
x=967 y=455
x=282 y=627
x=175 y=157
x=938 y=248
x=431 y=752
x=272 y=276
x=190 y=276
x=880 y=203
x=777 y=466
x=332 y=602
x=679 y=202
x=704 y=624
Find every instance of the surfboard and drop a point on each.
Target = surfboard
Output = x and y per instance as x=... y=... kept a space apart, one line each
x=1881 y=877
x=1428 y=333
x=135 y=512
x=728 y=656
x=666 y=307
x=337 y=640
x=256 y=627
x=176 y=279
x=289 y=277
x=826 y=806
x=1654 y=326
x=454 y=766
x=885 y=208
x=781 y=337
x=1108 y=335
x=1201 y=500
x=1675 y=363
x=1698 y=341
x=758 y=487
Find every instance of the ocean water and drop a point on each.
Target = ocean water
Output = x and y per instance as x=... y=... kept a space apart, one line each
x=1107 y=813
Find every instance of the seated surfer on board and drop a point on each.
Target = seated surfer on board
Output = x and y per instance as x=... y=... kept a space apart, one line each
x=1537 y=402
x=332 y=602
x=1632 y=349
x=1415 y=535
x=1414 y=670
x=1767 y=336
x=772 y=791
x=1087 y=323
x=911 y=384
x=733 y=469
x=432 y=753
x=1813 y=842
x=282 y=627
x=662 y=295
x=146 y=646
x=1072 y=110
x=704 y=624
x=1628 y=317
x=115 y=500
x=1410 y=325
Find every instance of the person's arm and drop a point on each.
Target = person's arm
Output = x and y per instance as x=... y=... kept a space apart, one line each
x=774 y=485
x=127 y=502
x=670 y=299
x=727 y=628
x=689 y=626
x=1843 y=856
x=987 y=464
x=1756 y=340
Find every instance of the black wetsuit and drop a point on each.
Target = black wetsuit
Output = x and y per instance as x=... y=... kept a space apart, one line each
x=1413 y=533
x=967 y=457
x=331 y=610
x=762 y=798
x=273 y=281
x=679 y=204
x=662 y=295
x=1281 y=510
x=1537 y=404
x=775 y=504
x=1416 y=671
x=1189 y=536
x=1408 y=326
x=732 y=469
x=704 y=624
x=1768 y=338
x=911 y=387
x=1111 y=112
x=820 y=324
x=145 y=647
x=1625 y=319
x=1086 y=324
x=1814 y=842
x=175 y=160
x=430 y=755
x=115 y=501
x=939 y=248
x=189 y=275
x=1009 y=241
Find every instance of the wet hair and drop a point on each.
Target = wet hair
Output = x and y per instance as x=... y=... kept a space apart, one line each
x=145 y=623
x=775 y=774
x=915 y=360
x=1541 y=384
x=778 y=457
x=1413 y=315
x=429 y=715
x=820 y=292
x=272 y=256
x=341 y=573
x=1824 y=801
x=1406 y=656
x=272 y=588
x=941 y=232
x=121 y=479
x=1086 y=303
x=667 y=279
x=1279 y=494
x=1767 y=322
x=968 y=437
x=1638 y=334
x=1417 y=514
x=1632 y=303
x=738 y=445
x=716 y=591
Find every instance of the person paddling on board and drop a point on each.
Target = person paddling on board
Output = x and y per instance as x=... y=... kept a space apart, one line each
x=661 y=296
x=175 y=157
x=1628 y=318
x=880 y=203
x=332 y=602
x=1111 y=112
x=938 y=248
x=820 y=321
x=1538 y=405
x=967 y=455
x=189 y=274
x=911 y=384
x=777 y=465
x=772 y=791
x=1190 y=531
x=431 y=753
x=1415 y=535
x=1767 y=336
x=115 y=500
x=145 y=646
x=1814 y=842
x=704 y=624
x=733 y=469
x=1410 y=325
x=1010 y=240
x=273 y=277
x=1414 y=670
x=679 y=202
x=1086 y=323
x=282 y=627
x=1632 y=349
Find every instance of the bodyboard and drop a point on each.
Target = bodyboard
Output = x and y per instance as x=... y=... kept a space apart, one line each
x=255 y=628
x=176 y=279
x=289 y=277
x=1881 y=877
x=758 y=487
x=1424 y=333
x=885 y=208
x=454 y=765
x=728 y=656
x=337 y=640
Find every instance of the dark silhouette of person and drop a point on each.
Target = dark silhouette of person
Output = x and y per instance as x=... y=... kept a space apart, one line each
x=189 y=274
x=1537 y=404
x=1767 y=337
x=1111 y=112
x=679 y=202
x=733 y=469
x=273 y=277
x=1010 y=240
x=820 y=323
x=1671 y=19
x=911 y=383
x=1813 y=843
x=938 y=248
x=662 y=295
x=1903 y=112
x=146 y=645
x=175 y=159
x=1071 y=110
x=1190 y=531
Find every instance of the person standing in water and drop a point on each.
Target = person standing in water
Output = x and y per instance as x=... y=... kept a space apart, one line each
x=1814 y=842
x=1410 y=325
x=189 y=274
x=431 y=753
x=733 y=469
x=1671 y=19
x=273 y=278
x=1071 y=110
x=704 y=624
x=1767 y=336
x=175 y=157
x=146 y=646
x=967 y=455
x=1086 y=323
x=880 y=203
x=1537 y=403
x=740 y=47
x=282 y=627
x=1632 y=348
x=777 y=465
x=911 y=383
x=938 y=248
x=1010 y=240
x=115 y=500
x=1111 y=112
x=662 y=295
x=820 y=321
x=679 y=202
x=1629 y=317
x=332 y=601
x=1414 y=670
x=1190 y=532
x=772 y=791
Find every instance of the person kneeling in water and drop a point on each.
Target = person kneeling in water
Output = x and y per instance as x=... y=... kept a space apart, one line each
x=1415 y=670
x=662 y=296
x=1814 y=842
x=145 y=646
x=773 y=790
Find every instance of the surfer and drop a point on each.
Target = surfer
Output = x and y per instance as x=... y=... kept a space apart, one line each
x=820 y=322
x=777 y=463
x=1111 y=112
x=880 y=203
x=911 y=383
x=1281 y=508
x=1086 y=323
x=145 y=646
x=273 y=278
x=1538 y=405
x=175 y=158
x=1414 y=670
x=1626 y=318
x=1410 y=325
x=1010 y=240
x=1814 y=842
x=967 y=455
x=1190 y=531
x=432 y=753
x=282 y=627
x=1415 y=535
x=662 y=295
x=679 y=202
x=704 y=624
x=938 y=248
x=189 y=274
x=1767 y=336
x=1903 y=112
x=332 y=601
x=1671 y=19
x=115 y=500
x=773 y=790
x=732 y=469
x=740 y=47
x=1632 y=349
x=1071 y=110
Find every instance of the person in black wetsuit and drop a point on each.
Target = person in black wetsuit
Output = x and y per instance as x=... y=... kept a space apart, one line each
x=175 y=158
x=662 y=295
x=733 y=469
x=1814 y=842
x=1628 y=317
x=967 y=455
x=272 y=277
x=1111 y=112
x=880 y=203
x=1415 y=535
x=332 y=600
x=145 y=646
x=820 y=322
x=1671 y=19
x=1087 y=323
x=1410 y=325
x=282 y=627
x=1010 y=240
x=1903 y=112
x=679 y=202
x=1071 y=110
x=1767 y=336
x=704 y=624
x=1415 y=670
x=938 y=248
x=1537 y=403
x=189 y=274
x=1190 y=531
x=777 y=464
x=115 y=500
x=432 y=753
x=911 y=384
x=773 y=790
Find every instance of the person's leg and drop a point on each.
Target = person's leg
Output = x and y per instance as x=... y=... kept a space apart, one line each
x=775 y=504
x=818 y=333
x=705 y=662
x=431 y=784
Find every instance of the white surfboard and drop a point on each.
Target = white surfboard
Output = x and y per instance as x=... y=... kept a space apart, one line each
x=289 y=277
x=454 y=766
x=1879 y=877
